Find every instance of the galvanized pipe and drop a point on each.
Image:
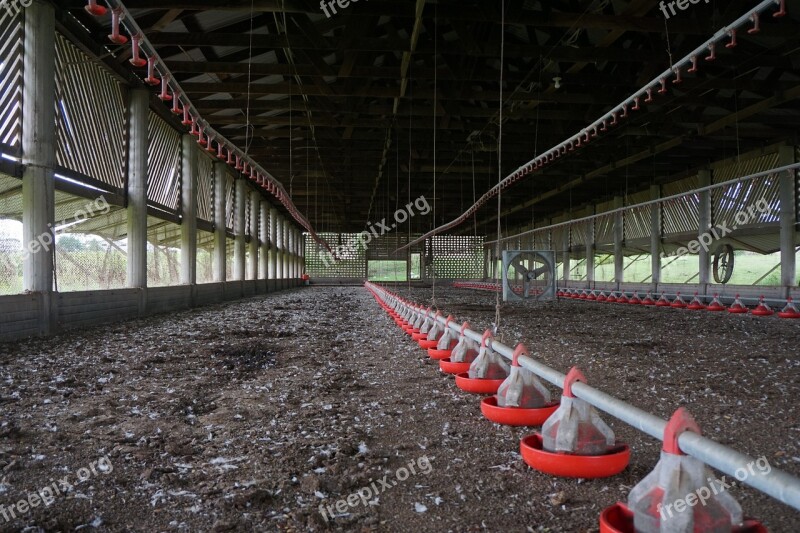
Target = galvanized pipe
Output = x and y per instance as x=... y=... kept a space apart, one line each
x=780 y=485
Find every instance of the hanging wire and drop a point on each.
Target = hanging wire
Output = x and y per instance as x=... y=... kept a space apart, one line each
x=496 y=325
x=435 y=103
x=248 y=126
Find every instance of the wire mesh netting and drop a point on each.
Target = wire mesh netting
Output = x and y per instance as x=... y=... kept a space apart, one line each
x=205 y=250
x=454 y=257
x=163 y=253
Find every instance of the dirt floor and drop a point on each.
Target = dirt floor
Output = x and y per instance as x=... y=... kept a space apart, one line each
x=249 y=416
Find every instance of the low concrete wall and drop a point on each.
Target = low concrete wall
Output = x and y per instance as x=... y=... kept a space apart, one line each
x=20 y=316
x=29 y=315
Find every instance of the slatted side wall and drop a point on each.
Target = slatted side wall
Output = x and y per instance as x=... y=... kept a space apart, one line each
x=11 y=30
x=163 y=163
x=90 y=117
x=205 y=187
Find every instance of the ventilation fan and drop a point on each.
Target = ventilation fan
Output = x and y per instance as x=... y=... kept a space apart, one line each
x=529 y=275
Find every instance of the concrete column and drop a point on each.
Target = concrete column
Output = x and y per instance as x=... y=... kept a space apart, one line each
x=292 y=253
x=566 y=260
x=655 y=237
x=239 y=273
x=279 y=243
x=255 y=216
x=788 y=235
x=286 y=248
x=188 y=210
x=590 y=250
x=619 y=237
x=704 y=178
x=302 y=253
x=220 y=222
x=39 y=153
x=273 y=243
x=137 y=187
x=263 y=236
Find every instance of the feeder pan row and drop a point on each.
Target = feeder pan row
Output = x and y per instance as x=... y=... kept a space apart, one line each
x=737 y=307
x=615 y=458
x=642 y=511
x=493 y=287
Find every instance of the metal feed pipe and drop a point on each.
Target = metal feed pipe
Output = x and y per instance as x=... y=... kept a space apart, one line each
x=780 y=485
x=621 y=110
x=708 y=188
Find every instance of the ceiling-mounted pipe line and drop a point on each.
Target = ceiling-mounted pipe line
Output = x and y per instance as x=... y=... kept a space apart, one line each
x=778 y=484
x=777 y=170
x=601 y=124
x=171 y=90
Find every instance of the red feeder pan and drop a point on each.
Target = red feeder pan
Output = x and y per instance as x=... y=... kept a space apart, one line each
x=790 y=311
x=611 y=298
x=663 y=302
x=592 y=296
x=696 y=304
x=418 y=336
x=763 y=309
x=425 y=344
x=738 y=307
x=477 y=386
x=678 y=302
x=576 y=466
x=449 y=367
x=715 y=305
x=433 y=353
x=622 y=299
x=648 y=300
x=635 y=300
x=516 y=416
x=602 y=297
x=619 y=519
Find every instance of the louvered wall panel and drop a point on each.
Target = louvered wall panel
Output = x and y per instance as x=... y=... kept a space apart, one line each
x=11 y=31
x=230 y=201
x=163 y=163
x=604 y=229
x=637 y=222
x=205 y=188
x=90 y=121
x=681 y=215
x=735 y=205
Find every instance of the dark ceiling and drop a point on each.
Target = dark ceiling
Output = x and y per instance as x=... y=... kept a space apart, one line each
x=346 y=111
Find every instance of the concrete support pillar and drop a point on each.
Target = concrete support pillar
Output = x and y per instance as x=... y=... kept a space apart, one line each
x=619 y=238
x=220 y=222
x=286 y=248
x=788 y=235
x=273 y=243
x=137 y=187
x=292 y=253
x=704 y=177
x=302 y=253
x=263 y=236
x=279 y=243
x=188 y=210
x=255 y=217
x=655 y=237
x=566 y=260
x=39 y=155
x=590 y=250
x=239 y=267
